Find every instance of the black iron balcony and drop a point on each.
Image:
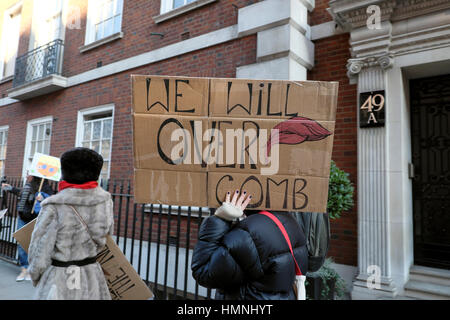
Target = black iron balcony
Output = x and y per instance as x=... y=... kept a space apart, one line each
x=38 y=63
x=38 y=72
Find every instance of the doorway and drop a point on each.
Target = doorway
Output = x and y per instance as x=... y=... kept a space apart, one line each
x=430 y=132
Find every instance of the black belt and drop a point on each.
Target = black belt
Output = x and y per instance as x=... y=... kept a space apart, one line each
x=79 y=263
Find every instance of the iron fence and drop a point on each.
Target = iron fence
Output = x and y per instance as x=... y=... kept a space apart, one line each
x=39 y=63
x=157 y=240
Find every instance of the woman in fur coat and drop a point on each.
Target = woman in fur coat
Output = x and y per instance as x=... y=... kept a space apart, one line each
x=70 y=231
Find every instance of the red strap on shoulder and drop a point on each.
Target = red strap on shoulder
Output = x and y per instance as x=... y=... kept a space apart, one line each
x=280 y=226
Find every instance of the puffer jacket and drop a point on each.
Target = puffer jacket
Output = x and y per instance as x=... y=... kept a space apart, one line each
x=251 y=259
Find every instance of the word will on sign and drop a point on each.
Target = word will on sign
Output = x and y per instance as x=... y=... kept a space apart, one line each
x=197 y=138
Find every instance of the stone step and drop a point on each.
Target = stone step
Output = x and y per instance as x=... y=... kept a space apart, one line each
x=427 y=290
x=430 y=275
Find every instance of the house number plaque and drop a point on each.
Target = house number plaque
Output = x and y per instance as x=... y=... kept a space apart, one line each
x=372 y=109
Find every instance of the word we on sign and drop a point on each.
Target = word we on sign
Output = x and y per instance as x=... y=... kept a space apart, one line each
x=197 y=138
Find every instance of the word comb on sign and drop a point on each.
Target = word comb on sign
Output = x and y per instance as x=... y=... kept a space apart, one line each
x=197 y=138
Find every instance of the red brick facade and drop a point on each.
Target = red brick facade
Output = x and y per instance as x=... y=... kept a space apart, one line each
x=331 y=55
x=221 y=60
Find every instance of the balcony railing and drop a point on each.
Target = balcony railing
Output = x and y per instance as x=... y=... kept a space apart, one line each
x=39 y=63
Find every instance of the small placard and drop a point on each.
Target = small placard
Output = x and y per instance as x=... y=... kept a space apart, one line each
x=46 y=167
x=372 y=109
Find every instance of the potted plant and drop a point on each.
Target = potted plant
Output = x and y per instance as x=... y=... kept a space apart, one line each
x=340 y=192
x=326 y=284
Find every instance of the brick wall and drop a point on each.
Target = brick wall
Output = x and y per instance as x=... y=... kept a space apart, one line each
x=63 y=105
x=320 y=14
x=137 y=26
x=331 y=55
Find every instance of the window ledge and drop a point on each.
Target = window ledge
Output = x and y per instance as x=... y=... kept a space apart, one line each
x=98 y=43
x=181 y=10
x=6 y=79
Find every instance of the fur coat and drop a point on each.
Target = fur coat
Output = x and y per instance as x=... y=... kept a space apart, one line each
x=60 y=235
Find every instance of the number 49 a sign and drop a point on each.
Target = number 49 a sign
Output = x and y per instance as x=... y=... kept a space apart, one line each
x=371 y=110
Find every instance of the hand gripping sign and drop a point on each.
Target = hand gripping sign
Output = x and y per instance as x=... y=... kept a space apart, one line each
x=197 y=138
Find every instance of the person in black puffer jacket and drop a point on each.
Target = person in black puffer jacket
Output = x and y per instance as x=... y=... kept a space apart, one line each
x=248 y=259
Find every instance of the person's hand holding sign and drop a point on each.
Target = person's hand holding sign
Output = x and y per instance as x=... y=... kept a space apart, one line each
x=233 y=208
x=39 y=197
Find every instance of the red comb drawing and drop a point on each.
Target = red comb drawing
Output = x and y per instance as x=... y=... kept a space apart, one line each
x=297 y=130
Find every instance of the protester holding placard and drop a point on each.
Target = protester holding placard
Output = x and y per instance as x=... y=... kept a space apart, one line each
x=248 y=258
x=26 y=199
x=70 y=231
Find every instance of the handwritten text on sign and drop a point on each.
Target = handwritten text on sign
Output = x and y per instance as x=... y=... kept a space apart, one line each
x=196 y=138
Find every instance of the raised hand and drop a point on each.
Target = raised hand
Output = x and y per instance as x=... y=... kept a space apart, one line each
x=234 y=206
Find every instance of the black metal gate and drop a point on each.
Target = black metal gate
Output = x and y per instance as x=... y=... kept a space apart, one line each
x=430 y=127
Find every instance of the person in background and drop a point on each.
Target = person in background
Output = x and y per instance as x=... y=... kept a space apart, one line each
x=70 y=231
x=28 y=196
x=46 y=191
x=247 y=258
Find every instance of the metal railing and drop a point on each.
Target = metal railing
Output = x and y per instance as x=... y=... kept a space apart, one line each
x=39 y=63
x=157 y=240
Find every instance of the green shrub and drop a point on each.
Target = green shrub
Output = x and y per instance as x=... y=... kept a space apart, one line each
x=340 y=192
x=326 y=273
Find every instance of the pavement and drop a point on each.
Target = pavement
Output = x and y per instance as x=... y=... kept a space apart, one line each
x=9 y=288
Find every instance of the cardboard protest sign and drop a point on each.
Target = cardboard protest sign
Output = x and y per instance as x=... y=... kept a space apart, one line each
x=45 y=166
x=197 y=138
x=123 y=281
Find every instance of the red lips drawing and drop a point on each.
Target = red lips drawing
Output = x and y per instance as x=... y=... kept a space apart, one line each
x=297 y=130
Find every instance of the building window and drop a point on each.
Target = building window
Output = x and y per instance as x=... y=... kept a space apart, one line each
x=39 y=133
x=95 y=131
x=167 y=5
x=104 y=19
x=10 y=40
x=3 y=140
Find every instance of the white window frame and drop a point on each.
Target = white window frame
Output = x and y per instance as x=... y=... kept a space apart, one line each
x=6 y=19
x=28 y=137
x=93 y=6
x=167 y=5
x=4 y=129
x=109 y=108
x=39 y=16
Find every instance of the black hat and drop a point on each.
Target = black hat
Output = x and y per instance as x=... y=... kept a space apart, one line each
x=80 y=165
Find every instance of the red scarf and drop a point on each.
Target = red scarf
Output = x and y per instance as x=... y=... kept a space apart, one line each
x=88 y=185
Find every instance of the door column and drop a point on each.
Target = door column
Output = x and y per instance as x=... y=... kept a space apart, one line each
x=374 y=275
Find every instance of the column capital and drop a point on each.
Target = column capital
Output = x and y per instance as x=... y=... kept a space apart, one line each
x=355 y=65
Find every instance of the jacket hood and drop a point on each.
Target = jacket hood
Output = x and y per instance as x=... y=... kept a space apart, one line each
x=83 y=197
